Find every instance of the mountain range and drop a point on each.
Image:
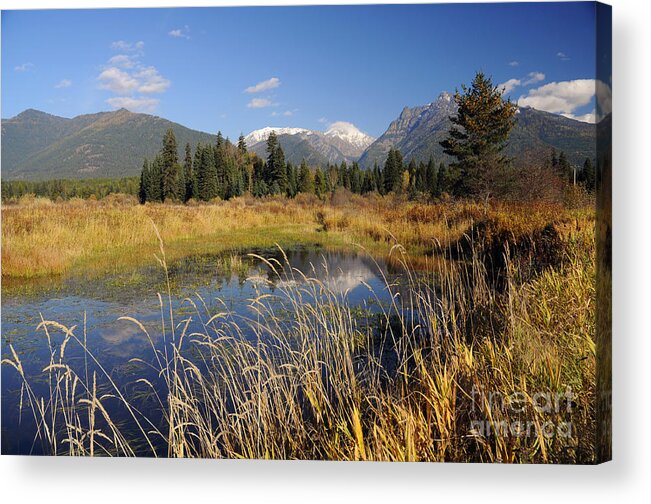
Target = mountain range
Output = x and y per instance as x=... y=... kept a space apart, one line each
x=418 y=131
x=37 y=145
x=342 y=141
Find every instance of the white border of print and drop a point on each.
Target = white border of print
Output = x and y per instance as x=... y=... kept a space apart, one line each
x=41 y=479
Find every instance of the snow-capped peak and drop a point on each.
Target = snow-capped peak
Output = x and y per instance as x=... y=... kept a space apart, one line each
x=350 y=133
x=342 y=139
x=445 y=96
x=261 y=135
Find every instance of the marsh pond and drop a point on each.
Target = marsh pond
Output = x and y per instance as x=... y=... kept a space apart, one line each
x=127 y=321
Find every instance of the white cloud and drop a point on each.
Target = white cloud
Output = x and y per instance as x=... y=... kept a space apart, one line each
x=151 y=81
x=513 y=63
x=344 y=127
x=124 y=46
x=265 y=85
x=25 y=67
x=533 y=78
x=135 y=104
x=118 y=81
x=128 y=78
x=567 y=97
x=323 y=120
x=256 y=103
x=590 y=117
x=122 y=61
x=64 y=83
x=180 y=33
x=560 y=97
x=509 y=85
x=563 y=56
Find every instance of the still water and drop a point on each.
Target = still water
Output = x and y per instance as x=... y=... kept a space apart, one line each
x=94 y=306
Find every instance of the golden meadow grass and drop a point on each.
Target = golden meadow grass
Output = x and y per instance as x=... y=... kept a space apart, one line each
x=417 y=385
x=43 y=238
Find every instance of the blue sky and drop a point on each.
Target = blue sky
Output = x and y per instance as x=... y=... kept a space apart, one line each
x=239 y=69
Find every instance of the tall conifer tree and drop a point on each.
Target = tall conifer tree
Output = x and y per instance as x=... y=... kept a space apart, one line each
x=206 y=175
x=276 y=168
x=319 y=182
x=478 y=138
x=241 y=145
x=393 y=169
x=188 y=175
x=169 y=159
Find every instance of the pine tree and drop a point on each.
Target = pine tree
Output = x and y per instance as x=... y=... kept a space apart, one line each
x=378 y=175
x=319 y=183
x=276 y=169
x=170 y=159
x=230 y=185
x=272 y=145
x=260 y=187
x=156 y=179
x=179 y=193
x=368 y=184
x=206 y=174
x=417 y=177
x=478 y=138
x=188 y=175
x=343 y=177
x=220 y=163
x=197 y=170
x=305 y=179
x=356 y=178
x=393 y=170
x=241 y=145
x=430 y=178
x=280 y=170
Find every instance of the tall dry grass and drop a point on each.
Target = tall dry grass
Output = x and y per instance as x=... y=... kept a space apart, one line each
x=452 y=369
x=98 y=235
x=82 y=236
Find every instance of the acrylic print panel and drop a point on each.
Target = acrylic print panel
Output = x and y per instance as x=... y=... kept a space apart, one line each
x=331 y=232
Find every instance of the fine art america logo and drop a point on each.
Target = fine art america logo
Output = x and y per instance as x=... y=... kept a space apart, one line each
x=500 y=414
